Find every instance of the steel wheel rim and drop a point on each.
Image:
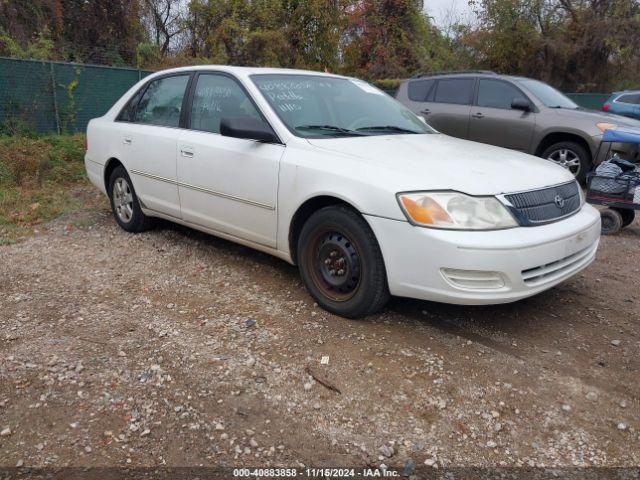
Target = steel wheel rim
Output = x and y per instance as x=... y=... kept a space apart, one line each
x=334 y=264
x=566 y=158
x=123 y=200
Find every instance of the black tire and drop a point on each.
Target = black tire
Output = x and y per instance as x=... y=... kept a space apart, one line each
x=584 y=157
x=628 y=215
x=361 y=289
x=137 y=221
x=611 y=221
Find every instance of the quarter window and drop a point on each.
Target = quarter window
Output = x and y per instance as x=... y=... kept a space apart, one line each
x=161 y=103
x=419 y=89
x=218 y=96
x=127 y=114
x=497 y=94
x=633 y=99
x=455 y=90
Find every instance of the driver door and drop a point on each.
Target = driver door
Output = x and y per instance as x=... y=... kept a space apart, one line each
x=227 y=184
x=493 y=121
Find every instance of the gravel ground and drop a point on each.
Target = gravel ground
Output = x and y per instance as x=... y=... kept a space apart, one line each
x=175 y=348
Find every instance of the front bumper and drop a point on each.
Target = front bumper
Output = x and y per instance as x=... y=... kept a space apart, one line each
x=528 y=260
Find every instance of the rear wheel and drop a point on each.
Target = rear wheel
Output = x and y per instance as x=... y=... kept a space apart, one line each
x=341 y=263
x=628 y=216
x=124 y=203
x=611 y=221
x=570 y=155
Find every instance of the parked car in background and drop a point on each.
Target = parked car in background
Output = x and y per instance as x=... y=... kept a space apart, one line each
x=512 y=112
x=625 y=103
x=333 y=175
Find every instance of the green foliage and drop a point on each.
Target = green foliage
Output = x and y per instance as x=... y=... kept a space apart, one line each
x=40 y=48
x=387 y=84
x=96 y=31
x=35 y=176
x=387 y=38
x=576 y=45
x=9 y=47
x=69 y=112
x=30 y=162
x=370 y=38
x=148 y=54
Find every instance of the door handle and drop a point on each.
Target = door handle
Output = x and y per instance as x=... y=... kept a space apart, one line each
x=126 y=140
x=186 y=152
x=426 y=111
x=478 y=115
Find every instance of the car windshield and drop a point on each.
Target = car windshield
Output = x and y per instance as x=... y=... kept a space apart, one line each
x=320 y=106
x=548 y=95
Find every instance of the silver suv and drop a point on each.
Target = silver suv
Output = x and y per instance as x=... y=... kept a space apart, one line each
x=513 y=112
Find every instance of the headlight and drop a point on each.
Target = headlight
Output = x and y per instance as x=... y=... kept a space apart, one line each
x=605 y=126
x=453 y=210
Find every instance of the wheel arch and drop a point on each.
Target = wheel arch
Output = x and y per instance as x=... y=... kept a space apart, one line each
x=302 y=214
x=109 y=167
x=562 y=136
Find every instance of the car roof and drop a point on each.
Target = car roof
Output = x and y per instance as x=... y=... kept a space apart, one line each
x=471 y=73
x=248 y=70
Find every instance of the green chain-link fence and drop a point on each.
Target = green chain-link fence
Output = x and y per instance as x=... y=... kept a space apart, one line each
x=58 y=97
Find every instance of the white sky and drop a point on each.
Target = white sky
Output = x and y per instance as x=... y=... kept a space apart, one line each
x=440 y=10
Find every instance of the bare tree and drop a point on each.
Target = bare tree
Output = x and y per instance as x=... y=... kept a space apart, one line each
x=164 y=20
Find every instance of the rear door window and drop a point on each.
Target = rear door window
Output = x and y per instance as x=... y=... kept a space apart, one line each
x=458 y=91
x=633 y=99
x=161 y=103
x=420 y=89
x=498 y=94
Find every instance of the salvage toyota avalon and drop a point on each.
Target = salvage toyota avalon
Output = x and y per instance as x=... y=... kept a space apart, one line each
x=332 y=175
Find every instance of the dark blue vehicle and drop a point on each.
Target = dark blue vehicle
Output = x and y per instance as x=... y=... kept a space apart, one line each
x=625 y=103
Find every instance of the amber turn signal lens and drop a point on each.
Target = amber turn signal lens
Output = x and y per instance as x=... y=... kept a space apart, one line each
x=605 y=126
x=427 y=212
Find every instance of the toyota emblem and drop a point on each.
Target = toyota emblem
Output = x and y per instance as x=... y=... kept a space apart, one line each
x=559 y=201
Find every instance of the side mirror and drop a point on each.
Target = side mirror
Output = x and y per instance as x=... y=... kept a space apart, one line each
x=520 y=104
x=247 y=127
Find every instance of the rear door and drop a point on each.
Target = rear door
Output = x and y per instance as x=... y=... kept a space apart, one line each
x=493 y=120
x=149 y=142
x=450 y=105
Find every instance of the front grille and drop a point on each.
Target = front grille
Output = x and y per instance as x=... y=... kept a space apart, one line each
x=545 y=205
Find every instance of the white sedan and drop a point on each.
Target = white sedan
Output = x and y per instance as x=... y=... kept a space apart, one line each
x=331 y=174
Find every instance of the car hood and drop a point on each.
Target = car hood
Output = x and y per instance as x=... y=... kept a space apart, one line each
x=596 y=117
x=439 y=162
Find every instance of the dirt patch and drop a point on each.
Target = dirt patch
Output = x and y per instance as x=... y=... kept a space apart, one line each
x=175 y=348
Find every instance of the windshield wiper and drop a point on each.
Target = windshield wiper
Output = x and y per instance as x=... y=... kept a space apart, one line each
x=386 y=128
x=329 y=128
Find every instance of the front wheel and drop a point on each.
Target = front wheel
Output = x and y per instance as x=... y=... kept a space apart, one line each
x=570 y=155
x=341 y=263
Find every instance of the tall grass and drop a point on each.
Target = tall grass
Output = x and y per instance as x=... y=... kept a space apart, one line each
x=37 y=176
